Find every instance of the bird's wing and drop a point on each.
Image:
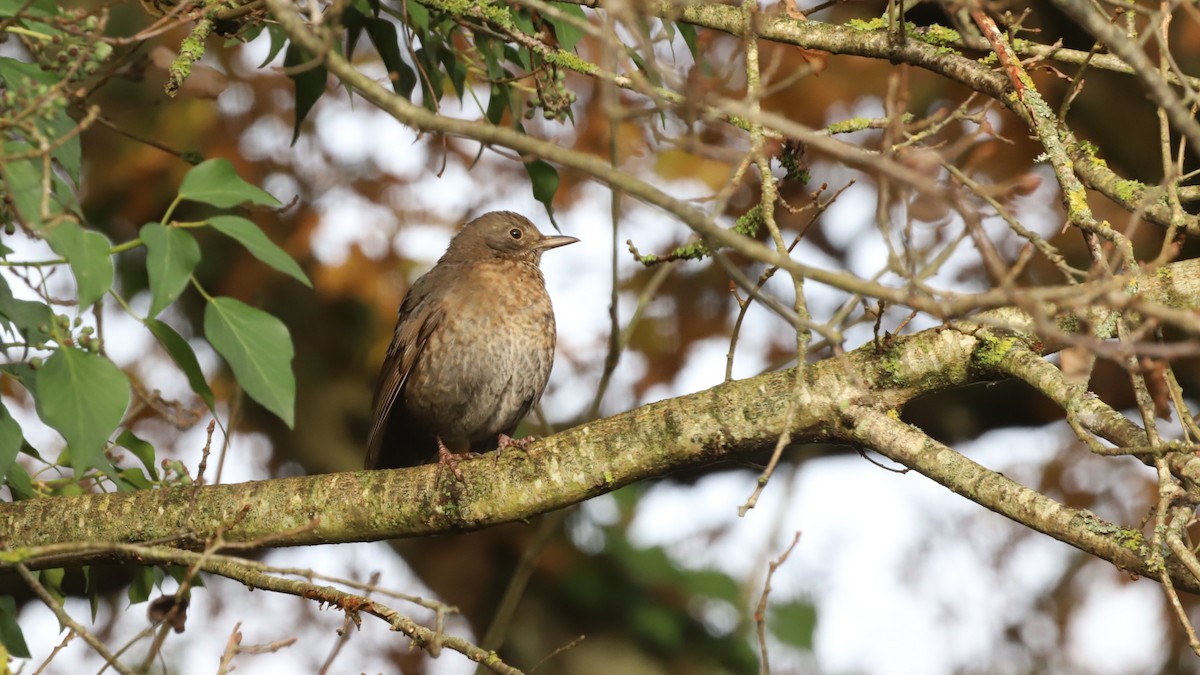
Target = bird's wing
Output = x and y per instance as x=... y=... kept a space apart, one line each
x=419 y=316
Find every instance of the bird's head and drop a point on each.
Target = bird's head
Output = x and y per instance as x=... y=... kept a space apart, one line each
x=502 y=234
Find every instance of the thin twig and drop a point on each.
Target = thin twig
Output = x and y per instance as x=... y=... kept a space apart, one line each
x=760 y=614
x=66 y=620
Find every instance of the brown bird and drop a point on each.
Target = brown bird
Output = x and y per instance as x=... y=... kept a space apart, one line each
x=472 y=349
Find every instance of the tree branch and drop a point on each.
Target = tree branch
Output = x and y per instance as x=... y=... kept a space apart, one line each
x=724 y=423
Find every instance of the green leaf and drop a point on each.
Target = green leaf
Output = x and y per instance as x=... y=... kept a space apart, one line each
x=245 y=36
x=10 y=630
x=32 y=319
x=256 y=242
x=258 y=348
x=52 y=579
x=140 y=449
x=23 y=179
x=214 y=181
x=88 y=254
x=793 y=623
x=383 y=35
x=657 y=625
x=68 y=489
x=522 y=56
x=52 y=121
x=650 y=73
x=183 y=356
x=456 y=69
x=497 y=104
x=352 y=19
x=567 y=34
x=36 y=8
x=278 y=40
x=84 y=397
x=141 y=585
x=24 y=373
x=90 y=590
x=19 y=483
x=545 y=183
x=131 y=480
x=11 y=439
x=523 y=20
x=418 y=15
x=492 y=51
x=432 y=83
x=688 y=31
x=310 y=83
x=180 y=572
x=171 y=255
x=713 y=584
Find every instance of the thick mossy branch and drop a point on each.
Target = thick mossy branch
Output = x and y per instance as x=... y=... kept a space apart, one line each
x=1126 y=548
x=701 y=429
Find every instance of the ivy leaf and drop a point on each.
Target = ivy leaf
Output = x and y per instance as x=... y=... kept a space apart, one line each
x=259 y=349
x=568 y=35
x=10 y=630
x=23 y=179
x=456 y=69
x=52 y=579
x=30 y=318
x=544 y=178
x=387 y=43
x=183 y=356
x=11 y=439
x=278 y=40
x=140 y=449
x=650 y=73
x=84 y=397
x=353 y=20
x=688 y=31
x=171 y=255
x=523 y=20
x=256 y=242
x=498 y=104
x=90 y=590
x=418 y=15
x=131 y=480
x=793 y=623
x=141 y=585
x=53 y=121
x=310 y=84
x=88 y=254
x=432 y=83
x=19 y=483
x=215 y=182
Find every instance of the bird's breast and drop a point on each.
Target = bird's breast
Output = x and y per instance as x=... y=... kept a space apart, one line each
x=492 y=351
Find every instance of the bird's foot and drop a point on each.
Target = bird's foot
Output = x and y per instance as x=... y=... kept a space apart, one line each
x=521 y=444
x=448 y=459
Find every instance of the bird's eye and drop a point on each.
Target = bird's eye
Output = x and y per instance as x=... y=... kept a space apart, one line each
x=515 y=233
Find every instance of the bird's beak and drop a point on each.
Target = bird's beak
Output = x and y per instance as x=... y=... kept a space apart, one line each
x=555 y=241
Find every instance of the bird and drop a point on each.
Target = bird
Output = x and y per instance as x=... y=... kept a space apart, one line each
x=472 y=349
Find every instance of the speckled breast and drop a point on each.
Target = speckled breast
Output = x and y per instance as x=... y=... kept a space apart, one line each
x=491 y=355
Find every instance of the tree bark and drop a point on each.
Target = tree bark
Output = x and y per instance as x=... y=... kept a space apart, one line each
x=853 y=399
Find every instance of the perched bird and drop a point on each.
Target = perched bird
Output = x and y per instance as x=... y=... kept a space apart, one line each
x=472 y=349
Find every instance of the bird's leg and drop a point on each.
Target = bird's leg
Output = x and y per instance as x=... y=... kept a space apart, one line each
x=521 y=444
x=448 y=459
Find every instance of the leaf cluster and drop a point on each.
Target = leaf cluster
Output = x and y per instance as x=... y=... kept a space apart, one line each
x=54 y=347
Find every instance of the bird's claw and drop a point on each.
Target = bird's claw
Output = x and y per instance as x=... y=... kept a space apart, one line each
x=448 y=459
x=521 y=444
